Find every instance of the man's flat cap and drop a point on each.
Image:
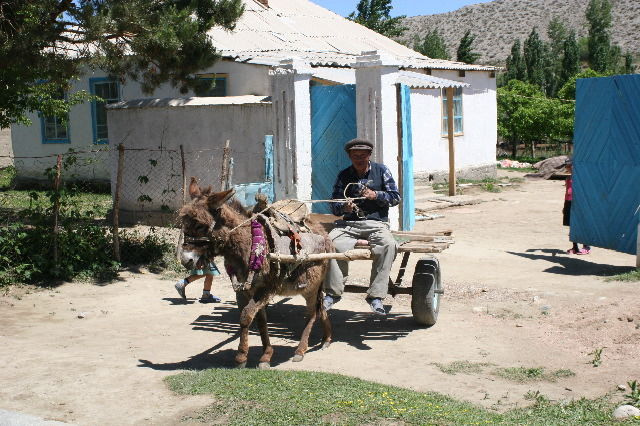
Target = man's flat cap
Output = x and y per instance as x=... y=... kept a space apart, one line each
x=358 y=144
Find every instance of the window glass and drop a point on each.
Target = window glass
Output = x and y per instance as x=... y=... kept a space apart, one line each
x=55 y=128
x=211 y=85
x=457 y=112
x=108 y=90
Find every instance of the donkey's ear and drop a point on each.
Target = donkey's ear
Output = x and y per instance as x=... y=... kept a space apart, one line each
x=194 y=188
x=215 y=201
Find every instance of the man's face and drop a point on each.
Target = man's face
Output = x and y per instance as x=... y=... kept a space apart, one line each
x=360 y=158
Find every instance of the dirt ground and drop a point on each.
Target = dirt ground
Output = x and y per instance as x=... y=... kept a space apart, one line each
x=96 y=355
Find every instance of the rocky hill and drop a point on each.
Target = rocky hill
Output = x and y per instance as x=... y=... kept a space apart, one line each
x=498 y=23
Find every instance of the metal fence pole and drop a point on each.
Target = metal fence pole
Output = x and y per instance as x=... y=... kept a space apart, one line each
x=56 y=210
x=116 y=204
x=184 y=197
x=224 y=175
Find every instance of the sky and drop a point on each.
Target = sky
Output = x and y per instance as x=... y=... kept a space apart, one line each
x=401 y=7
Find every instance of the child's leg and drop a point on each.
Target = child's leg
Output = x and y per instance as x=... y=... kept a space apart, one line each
x=207 y=297
x=182 y=285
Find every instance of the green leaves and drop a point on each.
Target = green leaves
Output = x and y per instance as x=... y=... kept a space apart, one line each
x=375 y=15
x=44 y=44
x=432 y=45
x=465 y=51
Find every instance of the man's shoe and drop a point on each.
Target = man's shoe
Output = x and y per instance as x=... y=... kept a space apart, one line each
x=210 y=298
x=329 y=301
x=180 y=286
x=376 y=306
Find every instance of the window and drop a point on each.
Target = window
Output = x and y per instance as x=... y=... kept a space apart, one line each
x=55 y=129
x=457 y=112
x=109 y=90
x=211 y=85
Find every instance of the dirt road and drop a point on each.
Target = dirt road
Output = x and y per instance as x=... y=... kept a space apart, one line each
x=513 y=299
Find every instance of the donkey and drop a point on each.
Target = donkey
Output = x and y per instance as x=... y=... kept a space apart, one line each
x=215 y=224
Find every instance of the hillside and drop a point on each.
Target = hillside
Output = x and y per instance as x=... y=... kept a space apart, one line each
x=498 y=23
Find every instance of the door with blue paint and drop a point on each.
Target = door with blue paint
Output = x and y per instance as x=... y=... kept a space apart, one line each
x=606 y=164
x=333 y=122
x=408 y=218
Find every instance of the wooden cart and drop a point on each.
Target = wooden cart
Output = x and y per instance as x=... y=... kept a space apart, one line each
x=426 y=285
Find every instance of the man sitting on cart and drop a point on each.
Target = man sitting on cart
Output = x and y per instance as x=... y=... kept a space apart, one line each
x=365 y=220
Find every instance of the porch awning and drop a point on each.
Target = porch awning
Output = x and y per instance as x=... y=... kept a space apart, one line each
x=417 y=80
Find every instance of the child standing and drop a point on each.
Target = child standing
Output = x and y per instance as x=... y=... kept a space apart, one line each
x=207 y=272
x=566 y=211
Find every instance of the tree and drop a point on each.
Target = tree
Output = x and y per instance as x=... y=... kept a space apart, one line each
x=629 y=67
x=516 y=68
x=465 y=51
x=432 y=45
x=526 y=116
x=568 y=91
x=599 y=41
x=570 y=59
x=557 y=33
x=376 y=15
x=46 y=43
x=534 y=58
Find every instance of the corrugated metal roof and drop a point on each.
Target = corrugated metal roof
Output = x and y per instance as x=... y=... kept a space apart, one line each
x=301 y=29
x=422 y=81
x=185 y=102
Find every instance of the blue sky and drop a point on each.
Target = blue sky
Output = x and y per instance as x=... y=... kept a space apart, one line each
x=401 y=7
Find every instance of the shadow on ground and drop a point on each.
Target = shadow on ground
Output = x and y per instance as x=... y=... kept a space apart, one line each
x=572 y=264
x=286 y=322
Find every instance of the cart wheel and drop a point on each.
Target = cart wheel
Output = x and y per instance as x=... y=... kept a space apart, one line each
x=427 y=288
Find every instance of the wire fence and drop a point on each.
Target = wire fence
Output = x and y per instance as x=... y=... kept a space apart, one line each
x=88 y=213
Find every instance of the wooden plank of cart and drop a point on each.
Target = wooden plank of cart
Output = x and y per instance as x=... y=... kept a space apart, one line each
x=426 y=285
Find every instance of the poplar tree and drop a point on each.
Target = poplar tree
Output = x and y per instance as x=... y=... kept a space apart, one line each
x=376 y=15
x=516 y=68
x=534 y=53
x=432 y=45
x=46 y=43
x=599 y=22
x=570 y=59
x=465 y=51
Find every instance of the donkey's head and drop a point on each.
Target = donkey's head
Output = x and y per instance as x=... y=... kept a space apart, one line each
x=198 y=221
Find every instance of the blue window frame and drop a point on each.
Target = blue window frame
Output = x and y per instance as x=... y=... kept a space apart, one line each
x=457 y=112
x=109 y=91
x=55 y=129
x=218 y=89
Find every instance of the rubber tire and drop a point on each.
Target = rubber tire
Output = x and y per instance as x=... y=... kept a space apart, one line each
x=425 y=302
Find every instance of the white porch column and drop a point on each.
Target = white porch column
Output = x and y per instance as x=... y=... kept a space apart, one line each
x=292 y=138
x=377 y=113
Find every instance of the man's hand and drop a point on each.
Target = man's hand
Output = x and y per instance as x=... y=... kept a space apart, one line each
x=348 y=207
x=369 y=194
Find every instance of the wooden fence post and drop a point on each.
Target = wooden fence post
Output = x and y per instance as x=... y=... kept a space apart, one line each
x=116 y=204
x=224 y=174
x=452 y=148
x=56 y=210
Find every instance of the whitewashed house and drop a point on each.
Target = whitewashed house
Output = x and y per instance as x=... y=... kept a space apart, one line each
x=310 y=78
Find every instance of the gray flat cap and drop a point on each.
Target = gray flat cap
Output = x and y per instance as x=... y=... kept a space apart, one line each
x=358 y=144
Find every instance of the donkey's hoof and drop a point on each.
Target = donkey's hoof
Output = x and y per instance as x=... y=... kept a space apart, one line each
x=241 y=364
x=326 y=344
x=264 y=366
x=298 y=358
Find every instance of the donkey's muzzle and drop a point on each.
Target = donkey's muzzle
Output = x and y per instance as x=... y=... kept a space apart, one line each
x=189 y=259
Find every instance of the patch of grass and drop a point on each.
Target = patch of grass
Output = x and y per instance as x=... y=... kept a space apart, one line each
x=463 y=367
x=520 y=169
x=633 y=397
x=524 y=374
x=303 y=398
x=633 y=276
x=7 y=175
x=85 y=203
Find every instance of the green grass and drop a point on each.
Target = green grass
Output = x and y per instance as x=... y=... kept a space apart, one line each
x=98 y=204
x=307 y=398
x=463 y=367
x=633 y=276
x=524 y=374
x=487 y=184
x=6 y=177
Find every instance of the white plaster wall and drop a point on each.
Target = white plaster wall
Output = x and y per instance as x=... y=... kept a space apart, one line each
x=243 y=79
x=202 y=130
x=5 y=148
x=476 y=147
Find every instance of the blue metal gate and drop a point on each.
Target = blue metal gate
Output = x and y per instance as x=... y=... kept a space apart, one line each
x=606 y=169
x=333 y=122
x=408 y=219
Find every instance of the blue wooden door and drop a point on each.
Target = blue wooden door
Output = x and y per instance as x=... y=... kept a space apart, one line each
x=333 y=122
x=408 y=219
x=606 y=163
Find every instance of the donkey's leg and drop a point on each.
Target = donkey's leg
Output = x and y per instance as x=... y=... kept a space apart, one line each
x=246 y=318
x=312 y=311
x=267 y=349
x=327 y=332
